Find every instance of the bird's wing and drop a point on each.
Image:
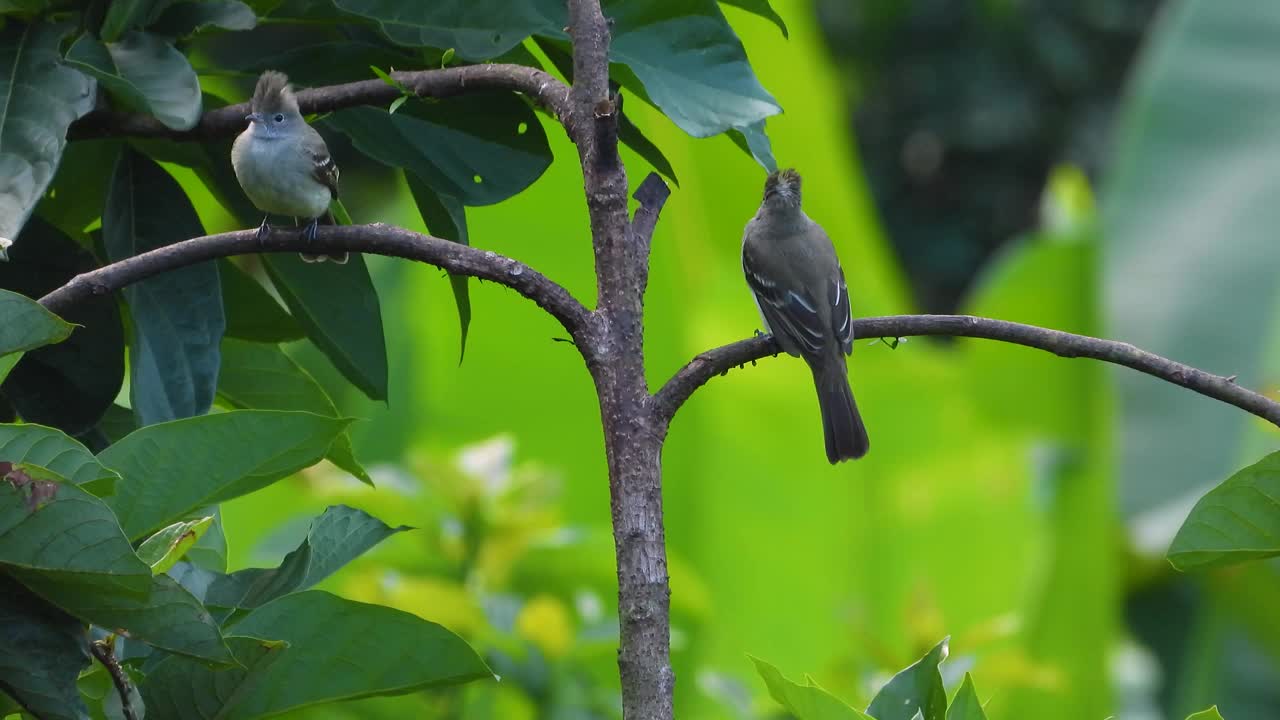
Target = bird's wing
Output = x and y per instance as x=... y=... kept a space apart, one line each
x=841 y=318
x=323 y=169
x=792 y=313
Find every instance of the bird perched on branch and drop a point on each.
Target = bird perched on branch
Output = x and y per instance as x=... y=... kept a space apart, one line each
x=283 y=164
x=799 y=287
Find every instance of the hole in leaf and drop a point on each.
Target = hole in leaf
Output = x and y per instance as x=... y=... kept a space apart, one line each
x=522 y=128
x=477 y=179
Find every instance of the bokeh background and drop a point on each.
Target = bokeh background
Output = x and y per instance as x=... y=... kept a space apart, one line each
x=1109 y=167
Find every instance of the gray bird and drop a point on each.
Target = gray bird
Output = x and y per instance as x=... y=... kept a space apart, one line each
x=799 y=287
x=282 y=163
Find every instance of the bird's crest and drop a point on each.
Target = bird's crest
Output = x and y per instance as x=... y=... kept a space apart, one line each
x=783 y=186
x=273 y=94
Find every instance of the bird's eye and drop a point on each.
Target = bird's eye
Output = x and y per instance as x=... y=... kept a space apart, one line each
x=279 y=117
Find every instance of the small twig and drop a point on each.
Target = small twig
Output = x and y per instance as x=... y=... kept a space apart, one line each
x=104 y=651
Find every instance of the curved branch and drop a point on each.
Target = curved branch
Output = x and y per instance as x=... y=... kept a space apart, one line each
x=702 y=368
x=539 y=86
x=376 y=239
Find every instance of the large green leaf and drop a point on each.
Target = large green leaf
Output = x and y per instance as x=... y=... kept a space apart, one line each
x=335 y=538
x=480 y=148
x=171 y=469
x=252 y=313
x=475 y=29
x=340 y=650
x=69 y=385
x=27 y=325
x=41 y=98
x=167 y=616
x=805 y=702
x=261 y=376
x=1189 y=215
x=917 y=689
x=177 y=315
x=446 y=218
x=337 y=305
x=965 y=705
x=124 y=15
x=180 y=688
x=763 y=9
x=327 y=63
x=42 y=651
x=52 y=449
x=1238 y=520
x=68 y=535
x=143 y=73
x=187 y=18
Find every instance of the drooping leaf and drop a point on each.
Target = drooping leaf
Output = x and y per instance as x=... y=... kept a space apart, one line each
x=143 y=73
x=446 y=218
x=476 y=30
x=915 y=689
x=338 y=307
x=125 y=15
x=252 y=313
x=171 y=469
x=177 y=315
x=69 y=385
x=66 y=534
x=165 y=548
x=335 y=538
x=165 y=616
x=481 y=148
x=178 y=688
x=52 y=449
x=763 y=9
x=188 y=18
x=27 y=325
x=754 y=142
x=1238 y=520
x=261 y=376
x=384 y=652
x=965 y=705
x=806 y=702
x=42 y=652
x=43 y=98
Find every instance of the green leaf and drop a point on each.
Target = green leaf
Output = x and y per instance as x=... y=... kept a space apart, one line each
x=66 y=534
x=327 y=63
x=210 y=550
x=42 y=652
x=965 y=705
x=753 y=141
x=52 y=449
x=78 y=192
x=384 y=652
x=1238 y=520
x=475 y=29
x=29 y=8
x=252 y=313
x=27 y=325
x=806 y=702
x=124 y=15
x=335 y=538
x=171 y=469
x=43 y=97
x=177 y=316
x=162 y=550
x=7 y=363
x=177 y=687
x=446 y=218
x=188 y=18
x=1210 y=714
x=763 y=9
x=480 y=148
x=69 y=385
x=166 y=616
x=915 y=689
x=143 y=73
x=338 y=307
x=262 y=376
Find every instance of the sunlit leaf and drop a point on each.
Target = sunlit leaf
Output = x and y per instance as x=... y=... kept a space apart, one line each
x=1238 y=520
x=965 y=705
x=446 y=218
x=165 y=548
x=915 y=689
x=27 y=325
x=53 y=449
x=806 y=702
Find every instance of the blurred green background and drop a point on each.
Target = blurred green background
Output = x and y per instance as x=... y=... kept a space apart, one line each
x=1018 y=502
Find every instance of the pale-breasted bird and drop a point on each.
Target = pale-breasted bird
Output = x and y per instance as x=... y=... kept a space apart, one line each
x=282 y=163
x=799 y=287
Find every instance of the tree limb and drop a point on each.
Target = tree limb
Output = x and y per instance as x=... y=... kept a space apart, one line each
x=542 y=88
x=720 y=360
x=376 y=239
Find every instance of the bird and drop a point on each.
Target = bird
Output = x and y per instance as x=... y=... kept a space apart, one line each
x=283 y=164
x=799 y=288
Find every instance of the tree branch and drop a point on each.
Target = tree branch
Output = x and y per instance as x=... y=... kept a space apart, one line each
x=376 y=239
x=1069 y=345
x=542 y=88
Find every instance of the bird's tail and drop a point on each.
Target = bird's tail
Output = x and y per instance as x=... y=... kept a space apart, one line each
x=842 y=426
x=339 y=258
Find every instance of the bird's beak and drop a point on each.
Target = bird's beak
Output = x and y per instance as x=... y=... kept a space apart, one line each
x=254 y=117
